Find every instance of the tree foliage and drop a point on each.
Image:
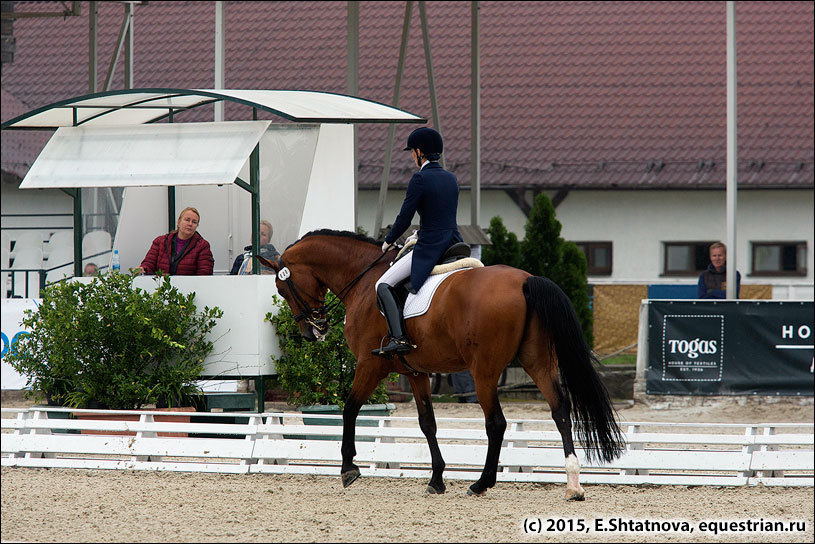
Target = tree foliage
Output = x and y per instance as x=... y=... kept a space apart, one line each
x=505 y=248
x=316 y=372
x=543 y=252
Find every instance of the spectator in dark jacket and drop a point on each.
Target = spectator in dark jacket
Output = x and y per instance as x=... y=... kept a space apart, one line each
x=182 y=252
x=267 y=250
x=713 y=281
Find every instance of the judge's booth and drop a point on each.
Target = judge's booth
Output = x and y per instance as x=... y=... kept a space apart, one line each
x=297 y=174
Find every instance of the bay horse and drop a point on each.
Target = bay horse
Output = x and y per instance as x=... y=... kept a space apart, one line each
x=480 y=320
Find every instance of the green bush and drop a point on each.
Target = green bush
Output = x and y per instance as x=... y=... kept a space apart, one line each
x=319 y=372
x=505 y=248
x=107 y=344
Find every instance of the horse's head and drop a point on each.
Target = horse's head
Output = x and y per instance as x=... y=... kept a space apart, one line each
x=304 y=294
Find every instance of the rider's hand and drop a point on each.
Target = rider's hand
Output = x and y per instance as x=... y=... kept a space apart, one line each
x=413 y=237
x=385 y=246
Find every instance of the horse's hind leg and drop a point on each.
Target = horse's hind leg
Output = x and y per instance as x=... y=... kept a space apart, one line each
x=561 y=414
x=496 y=425
x=420 y=385
x=542 y=368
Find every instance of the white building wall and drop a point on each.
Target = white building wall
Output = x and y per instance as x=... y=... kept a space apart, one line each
x=639 y=222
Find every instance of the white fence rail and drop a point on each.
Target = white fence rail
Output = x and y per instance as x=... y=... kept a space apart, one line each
x=657 y=453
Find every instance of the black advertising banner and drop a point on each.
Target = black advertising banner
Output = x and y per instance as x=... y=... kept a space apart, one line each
x=730 y=347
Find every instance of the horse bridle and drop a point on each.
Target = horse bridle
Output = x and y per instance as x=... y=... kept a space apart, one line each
x=317 y=317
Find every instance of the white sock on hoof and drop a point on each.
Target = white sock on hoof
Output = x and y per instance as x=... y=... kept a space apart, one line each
x=573 y=473
x=572 y=464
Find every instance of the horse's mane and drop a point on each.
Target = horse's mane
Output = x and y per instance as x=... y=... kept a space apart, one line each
x=342 y=233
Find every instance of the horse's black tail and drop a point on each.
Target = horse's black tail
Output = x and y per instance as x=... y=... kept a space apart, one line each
x=592 y=411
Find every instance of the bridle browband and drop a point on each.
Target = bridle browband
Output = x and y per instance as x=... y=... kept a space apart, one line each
x=318 y=317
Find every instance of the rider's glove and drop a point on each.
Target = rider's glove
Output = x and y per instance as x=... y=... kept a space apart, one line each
x=413 y=237
x=385 y=246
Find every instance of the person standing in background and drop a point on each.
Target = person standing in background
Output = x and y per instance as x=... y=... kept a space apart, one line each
x=713 y=281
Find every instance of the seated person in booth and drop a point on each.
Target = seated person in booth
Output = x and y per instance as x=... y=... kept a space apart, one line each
x=243 y=265
x=90 y=270
x=182 y=252
x=713 y=281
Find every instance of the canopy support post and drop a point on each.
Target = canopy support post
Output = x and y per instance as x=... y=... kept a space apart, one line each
x=254 y=182
x=76 y=194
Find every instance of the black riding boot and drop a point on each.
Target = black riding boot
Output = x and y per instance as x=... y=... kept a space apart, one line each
x=398 y=342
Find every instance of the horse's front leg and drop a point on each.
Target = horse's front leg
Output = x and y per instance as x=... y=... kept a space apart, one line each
x=368 y=375
x=427 y=422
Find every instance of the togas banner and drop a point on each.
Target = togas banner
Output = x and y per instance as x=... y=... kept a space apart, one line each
x=730 y=347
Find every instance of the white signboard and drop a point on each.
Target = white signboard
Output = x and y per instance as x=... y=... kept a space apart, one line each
x=12 y=317
x=243 y=341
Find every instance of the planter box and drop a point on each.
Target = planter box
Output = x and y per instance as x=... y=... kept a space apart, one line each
x=58 y=415
x=135 y=417
x=332 y=409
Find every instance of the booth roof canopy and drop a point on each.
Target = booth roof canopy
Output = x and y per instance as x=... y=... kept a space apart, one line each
x=138 y=106
x=165 y=154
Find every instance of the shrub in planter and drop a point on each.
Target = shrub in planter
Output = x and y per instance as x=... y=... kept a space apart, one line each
x=108 y=344
x=317 y=372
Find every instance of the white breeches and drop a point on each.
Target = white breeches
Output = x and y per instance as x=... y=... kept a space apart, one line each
x=398 y=272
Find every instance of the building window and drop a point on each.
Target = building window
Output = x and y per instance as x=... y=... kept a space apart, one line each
x=686 y=258
x=779 y=259
x=598 y=257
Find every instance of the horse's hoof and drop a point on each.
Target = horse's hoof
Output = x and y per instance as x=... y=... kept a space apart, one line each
x=473 y=493
x=575 y=495
x=350 y=477
x=433 y=491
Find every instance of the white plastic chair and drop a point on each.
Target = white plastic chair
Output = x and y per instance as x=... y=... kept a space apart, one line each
x=6 y=243
x=61 y=256
x=29 y=258
x=96 y=241
x=26 y=239
x=61 y=238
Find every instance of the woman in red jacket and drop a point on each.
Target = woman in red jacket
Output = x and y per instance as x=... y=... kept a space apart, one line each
x=182 y=252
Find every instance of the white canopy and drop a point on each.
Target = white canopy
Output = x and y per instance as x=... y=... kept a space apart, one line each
x=166 y=154
x=138 y=106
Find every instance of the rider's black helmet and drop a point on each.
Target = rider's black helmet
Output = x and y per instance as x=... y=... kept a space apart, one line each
x=426 y=140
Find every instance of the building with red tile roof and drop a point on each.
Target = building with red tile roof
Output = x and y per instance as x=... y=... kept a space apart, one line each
x=607 y=100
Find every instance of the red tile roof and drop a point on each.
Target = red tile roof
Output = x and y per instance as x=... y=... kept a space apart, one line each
x=574 y=94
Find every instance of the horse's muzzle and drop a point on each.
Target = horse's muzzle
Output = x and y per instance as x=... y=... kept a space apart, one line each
x=318 y=330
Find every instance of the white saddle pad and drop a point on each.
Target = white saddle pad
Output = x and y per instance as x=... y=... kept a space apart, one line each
x=418 y=304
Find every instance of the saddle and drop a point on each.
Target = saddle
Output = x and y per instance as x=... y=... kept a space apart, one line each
x=452 y=254
x=456 y=252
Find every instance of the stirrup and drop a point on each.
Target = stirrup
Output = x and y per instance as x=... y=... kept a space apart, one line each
x=397 y=346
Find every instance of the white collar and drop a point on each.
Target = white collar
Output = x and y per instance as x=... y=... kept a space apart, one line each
x=425 y=163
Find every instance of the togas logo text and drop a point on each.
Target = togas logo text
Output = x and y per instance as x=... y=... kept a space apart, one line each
x=692 y=348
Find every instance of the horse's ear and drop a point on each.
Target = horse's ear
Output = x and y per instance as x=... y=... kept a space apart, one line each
x=274 y=265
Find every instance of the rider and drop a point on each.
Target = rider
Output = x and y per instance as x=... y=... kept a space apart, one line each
x=433 y=192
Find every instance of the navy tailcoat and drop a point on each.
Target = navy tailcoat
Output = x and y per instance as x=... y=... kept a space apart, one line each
x=433 y=192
